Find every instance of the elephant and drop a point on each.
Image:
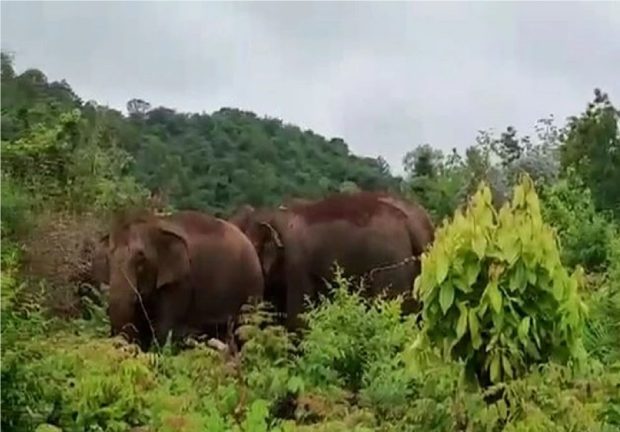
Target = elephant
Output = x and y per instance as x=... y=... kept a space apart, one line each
x=373 y=236
x=185 y=273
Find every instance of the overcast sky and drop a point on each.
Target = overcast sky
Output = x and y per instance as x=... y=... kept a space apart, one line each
x=385 y=77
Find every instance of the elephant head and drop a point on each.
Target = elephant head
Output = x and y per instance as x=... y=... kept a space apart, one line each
x=264 y=231
x=241 y=217
x=144 y=256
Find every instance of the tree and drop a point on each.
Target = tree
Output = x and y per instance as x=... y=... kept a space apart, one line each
x=138 y=107
x=423 y=161
x=592 y=148
x=509 y=146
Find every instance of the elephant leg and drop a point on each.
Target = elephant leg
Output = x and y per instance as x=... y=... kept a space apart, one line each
x=394 y=282
x=164 y=321
x=298 y=286
x=162 y=328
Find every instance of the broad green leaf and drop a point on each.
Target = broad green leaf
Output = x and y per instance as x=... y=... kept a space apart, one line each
x=558 y=289
x=531 y=277
x=474 y=329
x=495 y=296
x=442 y=268
x=486 y=195
x=519 y=196
x=416 y=285
x=530 y=348
x=446 y=297
x=511 y=250
x=461 y=326
x=472 y=270
x=462 y=284
x=524 y=328
x=479 y=245
x=295 y=384
x=507 y=366
x=502 y=409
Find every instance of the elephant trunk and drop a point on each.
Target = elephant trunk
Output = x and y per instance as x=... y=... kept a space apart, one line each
x=122 y=306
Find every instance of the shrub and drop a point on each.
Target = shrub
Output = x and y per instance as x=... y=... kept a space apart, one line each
x=356 y=345
x=584 y=233
x=602 y=332
x=266 y=357
x=494 y=290
x=15 y=208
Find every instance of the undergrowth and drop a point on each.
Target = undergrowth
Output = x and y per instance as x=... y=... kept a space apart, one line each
x=351 y=372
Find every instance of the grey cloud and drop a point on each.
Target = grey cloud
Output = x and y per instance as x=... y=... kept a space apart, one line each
x=384 y=76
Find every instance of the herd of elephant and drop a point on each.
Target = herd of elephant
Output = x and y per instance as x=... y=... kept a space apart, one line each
x=190 y=273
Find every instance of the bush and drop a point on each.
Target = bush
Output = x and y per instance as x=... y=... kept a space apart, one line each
x=267 y=358
x=585 y=235
x=15 y=208
x=65 y=375
x=348 y=338
x=494 y=290
x=602 y=333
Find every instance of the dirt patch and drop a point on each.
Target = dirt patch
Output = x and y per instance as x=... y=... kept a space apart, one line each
x=59 y=252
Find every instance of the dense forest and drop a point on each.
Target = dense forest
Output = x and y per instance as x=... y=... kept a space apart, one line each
x=522 y=281
x=194 y=161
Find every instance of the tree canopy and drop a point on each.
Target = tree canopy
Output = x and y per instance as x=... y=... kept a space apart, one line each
x=210 y=162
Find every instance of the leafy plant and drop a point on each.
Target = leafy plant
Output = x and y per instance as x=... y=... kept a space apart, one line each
x=494 y=290
x=356 y=344
x=584 y=233
x=602 y=332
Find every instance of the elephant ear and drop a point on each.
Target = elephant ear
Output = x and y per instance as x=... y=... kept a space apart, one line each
x=271 y=247
x=173 y=262
x=241 y=218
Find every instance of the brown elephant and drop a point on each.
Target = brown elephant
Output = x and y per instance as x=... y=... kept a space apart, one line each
x=374 y=236
x=187 y=273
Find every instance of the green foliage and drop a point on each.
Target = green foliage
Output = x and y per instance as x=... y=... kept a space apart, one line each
x=232 y=157
x=584 y=234
x=66 y=375
x=55 y=165
x=15 y=207
x=497 y=301
x=92 y=155
x=592 y=148
x=355 y=345
x=494 y=290
x=266 y=357
x=433 y=180
x=602 y=335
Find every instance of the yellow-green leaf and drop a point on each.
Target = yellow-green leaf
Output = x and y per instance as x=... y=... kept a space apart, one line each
x=558 y=289
x=461 y=326
x=519 y=196
x=474 y=329
x=472 y=270
x=442 y=268
x=495 y=296
x=446 y=297
x=507 y=366
x=479 y=244
x=502 y=409
x=524 y=328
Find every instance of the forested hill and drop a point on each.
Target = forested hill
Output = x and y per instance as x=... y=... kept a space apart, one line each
x=202 y=161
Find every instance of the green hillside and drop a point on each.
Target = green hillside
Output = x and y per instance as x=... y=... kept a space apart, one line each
x=199 y=161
